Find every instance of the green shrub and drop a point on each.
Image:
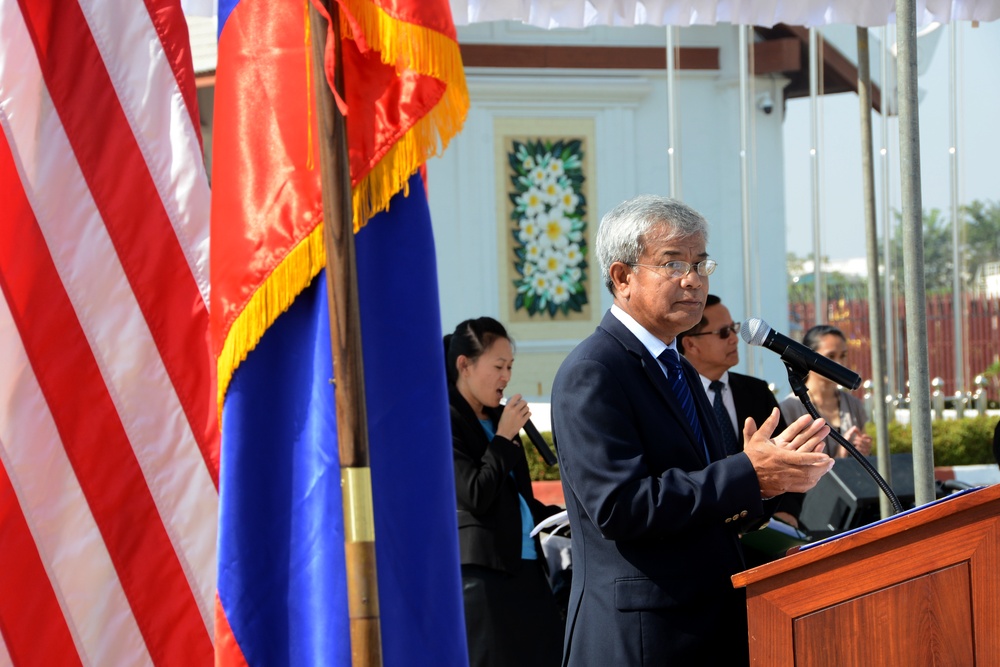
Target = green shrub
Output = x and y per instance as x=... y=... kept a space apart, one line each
x=540 y=471
x=957 y=442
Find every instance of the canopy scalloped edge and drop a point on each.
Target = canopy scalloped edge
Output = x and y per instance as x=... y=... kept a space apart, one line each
x=584 y=13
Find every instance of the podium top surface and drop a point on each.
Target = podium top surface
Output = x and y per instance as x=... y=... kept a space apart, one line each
x=974 y=501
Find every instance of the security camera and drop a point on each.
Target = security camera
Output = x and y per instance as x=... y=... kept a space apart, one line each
x=765 y=103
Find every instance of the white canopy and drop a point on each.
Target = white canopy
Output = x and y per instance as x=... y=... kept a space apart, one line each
x=583 y=13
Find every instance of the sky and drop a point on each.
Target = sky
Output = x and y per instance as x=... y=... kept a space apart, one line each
x=842 y=214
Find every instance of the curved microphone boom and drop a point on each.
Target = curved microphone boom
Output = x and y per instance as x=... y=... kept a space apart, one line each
x=800 y=360
x=755 y=331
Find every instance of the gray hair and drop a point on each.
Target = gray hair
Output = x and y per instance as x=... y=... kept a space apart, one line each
x=624 y=230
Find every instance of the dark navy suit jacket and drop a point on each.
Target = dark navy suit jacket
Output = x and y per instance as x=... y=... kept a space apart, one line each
x=654 y=526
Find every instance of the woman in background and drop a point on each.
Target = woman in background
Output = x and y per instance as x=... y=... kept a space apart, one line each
x=511 y=617
x=841 y=410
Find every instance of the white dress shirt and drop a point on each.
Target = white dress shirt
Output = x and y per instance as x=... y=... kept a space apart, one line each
x=727 y=400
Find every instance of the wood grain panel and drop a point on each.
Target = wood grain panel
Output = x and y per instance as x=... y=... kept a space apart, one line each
x=923 y=621
x=928 y=577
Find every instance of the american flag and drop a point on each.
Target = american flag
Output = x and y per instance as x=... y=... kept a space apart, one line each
x=108 y=426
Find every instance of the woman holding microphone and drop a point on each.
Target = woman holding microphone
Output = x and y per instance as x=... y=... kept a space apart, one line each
x=510 y=614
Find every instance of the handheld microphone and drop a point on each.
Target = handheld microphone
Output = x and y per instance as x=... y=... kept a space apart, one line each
x=539 y=442
x=755 y=331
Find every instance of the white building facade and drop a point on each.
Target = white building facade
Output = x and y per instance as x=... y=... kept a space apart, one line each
x=618 y=109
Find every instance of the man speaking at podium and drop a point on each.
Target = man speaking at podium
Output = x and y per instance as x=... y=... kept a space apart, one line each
x=712 y=347
x=655 y=505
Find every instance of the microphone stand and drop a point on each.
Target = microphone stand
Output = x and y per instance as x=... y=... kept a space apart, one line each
x=797 y=379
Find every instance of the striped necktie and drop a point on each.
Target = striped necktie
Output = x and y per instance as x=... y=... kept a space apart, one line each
x=722 y=415
x=675 y=374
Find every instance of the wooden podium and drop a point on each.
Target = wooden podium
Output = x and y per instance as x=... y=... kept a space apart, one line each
x=920 y=588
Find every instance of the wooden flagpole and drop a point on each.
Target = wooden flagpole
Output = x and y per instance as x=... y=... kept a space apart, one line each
x=345 y=339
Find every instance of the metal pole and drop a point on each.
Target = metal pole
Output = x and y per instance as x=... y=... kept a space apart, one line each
x=877 y=335
x=890 y=293
x=818 y=291
x=913 y=252
x=744 y=45
x=957 y=294
x=754 y=353
x=345 y=341
x=673 y=157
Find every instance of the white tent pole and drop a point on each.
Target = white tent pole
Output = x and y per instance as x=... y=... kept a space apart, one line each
x=890 y=292
x=818 y=291
x=913 y=253
x=673 y=156
x=754 y=363
x=958 y=302
x=877 y=334
x=748 y=307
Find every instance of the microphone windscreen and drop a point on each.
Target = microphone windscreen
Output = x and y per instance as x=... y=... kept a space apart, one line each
x=754 y=331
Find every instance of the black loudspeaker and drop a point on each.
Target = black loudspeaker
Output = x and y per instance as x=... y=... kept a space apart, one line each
x=847 y=497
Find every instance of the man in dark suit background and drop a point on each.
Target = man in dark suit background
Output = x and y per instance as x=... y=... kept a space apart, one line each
x=712 y=347
x=996 y=443
x=655 y=505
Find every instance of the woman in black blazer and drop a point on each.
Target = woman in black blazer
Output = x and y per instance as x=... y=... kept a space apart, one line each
x=510 y=614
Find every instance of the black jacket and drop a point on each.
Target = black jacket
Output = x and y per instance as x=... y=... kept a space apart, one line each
x=753 y=398
x=489 y=512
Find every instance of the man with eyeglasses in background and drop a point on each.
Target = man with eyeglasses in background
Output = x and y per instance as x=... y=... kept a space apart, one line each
x=655 y=505
x=712 y=347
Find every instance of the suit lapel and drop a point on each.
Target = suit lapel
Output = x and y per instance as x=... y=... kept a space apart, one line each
x=752 y=402
x=476 y=436
x=741 y=401
x=651 y=367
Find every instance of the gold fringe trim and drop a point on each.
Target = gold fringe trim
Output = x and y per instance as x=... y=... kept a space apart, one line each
x=414 y=47
x=405 y=46
x=272 y=298
x=392 y=173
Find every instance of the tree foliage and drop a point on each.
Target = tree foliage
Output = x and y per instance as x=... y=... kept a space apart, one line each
x=979 y=243
x=836 y=285
x=982 y=241
x=979 y=239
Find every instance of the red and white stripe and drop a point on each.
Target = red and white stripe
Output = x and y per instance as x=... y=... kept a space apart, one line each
x=108 y=428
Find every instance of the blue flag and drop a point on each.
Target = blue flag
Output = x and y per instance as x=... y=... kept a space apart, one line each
x=281 y=556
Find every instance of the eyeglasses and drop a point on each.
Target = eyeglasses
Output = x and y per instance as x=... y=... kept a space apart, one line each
x=723 y=333
x=677 y=269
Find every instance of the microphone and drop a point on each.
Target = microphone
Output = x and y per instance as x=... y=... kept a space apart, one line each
x=539 y=442
x=755 y=331
x=799 y=359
